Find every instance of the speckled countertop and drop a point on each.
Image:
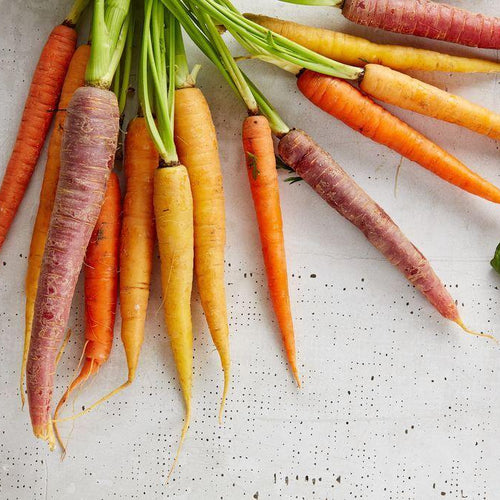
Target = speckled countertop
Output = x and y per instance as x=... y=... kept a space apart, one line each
x=396 y=403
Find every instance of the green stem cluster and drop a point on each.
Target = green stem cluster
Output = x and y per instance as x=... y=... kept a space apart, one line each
x=272 y=46
x=205 y=35
x=157 y=77
x=110 y=27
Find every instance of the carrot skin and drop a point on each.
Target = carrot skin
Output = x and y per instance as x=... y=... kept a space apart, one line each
x=101 y=287
x=87 y=156
x=196 y=142
x=40 y=105
x=137 y=239
x=406 y=92
x=101 y=276
x=75 y=78
x=356 y=51
x=263 y=178
x=342 y=193
x=343 y=101
x=427 y=19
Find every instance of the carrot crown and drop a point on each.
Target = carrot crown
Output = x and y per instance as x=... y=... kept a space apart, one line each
x=110 y=26
x=272 y=47
x=157 y=78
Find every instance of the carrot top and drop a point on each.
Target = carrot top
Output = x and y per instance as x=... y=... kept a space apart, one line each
x=110 y=26
x=272 y=47
x=75 y=13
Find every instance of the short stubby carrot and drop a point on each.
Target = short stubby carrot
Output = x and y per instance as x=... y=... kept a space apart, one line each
x=196 y=142
x=75 y=78
x=173 y=205
x=137 y=240
x=427 y=19
x=406 y=92
x=340 y=99
x=342 y=193
x=39 y=110
x=87 y=155
x=101 y=288
x=262 y=175
x=349 y=49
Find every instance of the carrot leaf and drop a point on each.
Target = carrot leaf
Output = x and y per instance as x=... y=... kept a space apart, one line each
x=495 y=262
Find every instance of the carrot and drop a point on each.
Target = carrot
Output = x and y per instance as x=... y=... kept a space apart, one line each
x=173 y=205
x=137 y=239
x=101 y=288
x=263 y=178
x=424 y=18
x=409 y=93
x=74 y=78
x=342 y=100
x=341 y=192
x=196 y=143
x=87 y=155
x=41 y=102
x=358 y=51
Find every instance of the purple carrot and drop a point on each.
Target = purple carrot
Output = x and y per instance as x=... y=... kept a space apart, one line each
x=427 y=19
x=87 y=156
x=341 y=192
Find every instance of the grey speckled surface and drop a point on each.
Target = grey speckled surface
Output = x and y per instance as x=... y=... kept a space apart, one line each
x=396 y=402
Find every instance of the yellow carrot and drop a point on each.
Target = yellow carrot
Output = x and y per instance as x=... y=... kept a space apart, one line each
x=358 y=51
x=173 y=205
x=196 y=142
x=406 y=92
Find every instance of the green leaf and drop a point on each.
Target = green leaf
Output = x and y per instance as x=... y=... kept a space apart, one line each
x=252 y=163
x=281 y=165
x=293 y=180
x=495 y=262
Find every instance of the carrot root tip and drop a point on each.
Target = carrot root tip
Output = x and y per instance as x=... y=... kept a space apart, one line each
x=461 y=324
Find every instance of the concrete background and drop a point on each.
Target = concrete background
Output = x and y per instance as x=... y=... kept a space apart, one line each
x=397 y=403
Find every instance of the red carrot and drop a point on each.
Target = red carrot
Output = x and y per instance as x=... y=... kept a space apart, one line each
x=90 y=137
x=423 y=18
x=341 y=192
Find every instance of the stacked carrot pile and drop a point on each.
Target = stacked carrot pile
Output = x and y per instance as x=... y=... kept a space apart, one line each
x=174 y=189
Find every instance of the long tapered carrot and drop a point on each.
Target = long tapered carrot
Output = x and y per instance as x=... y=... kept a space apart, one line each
x=262 y=175
x=196 y=143
x=75 y=78
x=342 y=100
x=406 y=92
x=101 y=289
x=87 y=156
x=358 y=51
x=37 y=116
x=173 y=205
x=137 y=240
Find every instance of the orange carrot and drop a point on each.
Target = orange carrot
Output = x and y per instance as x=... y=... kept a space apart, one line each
x=263 y=177
x=75 y=78
x=137 y=241
x=101 y=288
x=37 y=115
x=342 y=100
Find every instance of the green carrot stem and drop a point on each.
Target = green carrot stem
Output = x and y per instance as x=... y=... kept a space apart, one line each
x=127 y=64
x=76 y=11
x=153 y=67
x=274 y=44
x=107 y=42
